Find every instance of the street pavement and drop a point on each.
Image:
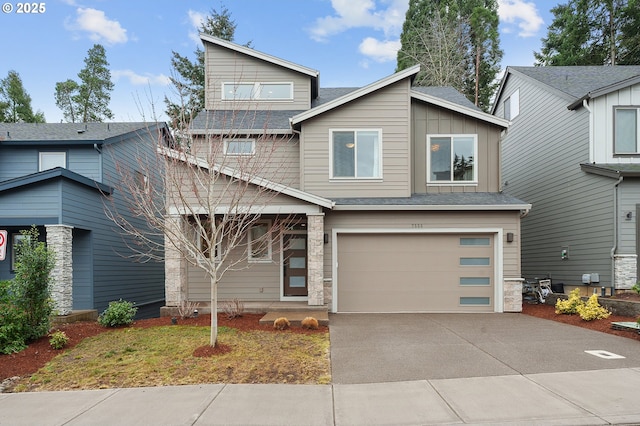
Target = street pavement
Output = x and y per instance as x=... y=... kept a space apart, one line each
x=498 y=369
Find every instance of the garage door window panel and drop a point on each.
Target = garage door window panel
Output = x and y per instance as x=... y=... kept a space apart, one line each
x=475 y=281
x=475 y=301
x=451 y=159
x=356 y=154
x=485 y=242
x=475 y=261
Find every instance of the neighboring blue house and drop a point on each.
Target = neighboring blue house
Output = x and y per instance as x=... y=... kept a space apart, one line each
x=573 y=150
x=60 y=177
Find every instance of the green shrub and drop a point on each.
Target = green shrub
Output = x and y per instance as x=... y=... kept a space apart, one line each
x=11 y=322
x=570 y=305
x=58 y=339
x=118 y=313
x=636 y=288
x=592 y=310
x=30 y=288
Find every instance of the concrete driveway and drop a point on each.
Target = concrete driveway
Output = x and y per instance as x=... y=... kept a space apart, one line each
x=371 y=348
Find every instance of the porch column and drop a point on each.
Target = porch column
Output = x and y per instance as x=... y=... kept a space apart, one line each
x=174 y=264
x=315 y=258
x=60 y=241
x=512 y=291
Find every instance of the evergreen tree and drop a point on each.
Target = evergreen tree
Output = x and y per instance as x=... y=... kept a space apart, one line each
x=87 y=101
x=474 y=23
x=15 y=102
x=188 y=77
x=592 y=32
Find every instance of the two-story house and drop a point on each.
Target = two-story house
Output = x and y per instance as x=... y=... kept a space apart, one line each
x=396 y=190
x=64 y=178
x=573 y=150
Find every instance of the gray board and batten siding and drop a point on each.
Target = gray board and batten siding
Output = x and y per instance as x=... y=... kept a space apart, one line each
x=541 y=155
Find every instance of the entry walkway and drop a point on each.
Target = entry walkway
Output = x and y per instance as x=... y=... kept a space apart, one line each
x=570 y=398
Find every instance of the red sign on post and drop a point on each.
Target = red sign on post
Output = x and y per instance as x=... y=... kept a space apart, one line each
x=3 y=244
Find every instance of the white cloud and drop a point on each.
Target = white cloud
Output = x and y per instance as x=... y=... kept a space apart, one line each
x=139 y=80
x=99 y=27
x=380 y=51
x=524 y=13
x=196 y=19
x=361 y=14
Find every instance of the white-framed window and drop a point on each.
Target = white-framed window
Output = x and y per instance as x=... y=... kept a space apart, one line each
x=51 y=160
x=259 y=242
x=239 y=147
x=451 y=159
x=15 y=240
x=356 y=154
x=262 y=91
x=512 y=105
x=626 y=133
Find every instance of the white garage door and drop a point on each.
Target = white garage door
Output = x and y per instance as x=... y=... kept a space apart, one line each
x=415 y=273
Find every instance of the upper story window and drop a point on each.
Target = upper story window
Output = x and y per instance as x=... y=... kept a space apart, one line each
x=356 y=154
x=451 y=158
x=512 y=105
x=626 y=130
x=257 y=91
x=51 y=160
x=239 y=147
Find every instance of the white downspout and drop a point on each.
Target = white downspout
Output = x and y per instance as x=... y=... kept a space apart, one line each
x=585 y=104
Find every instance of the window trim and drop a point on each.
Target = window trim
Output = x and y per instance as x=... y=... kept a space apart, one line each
x=45 y=153
x=269 y=256
x=626 y=107
x=452 y=182
x=513 y=101
x=377 y=178
x=240 y=154
x=255 y=93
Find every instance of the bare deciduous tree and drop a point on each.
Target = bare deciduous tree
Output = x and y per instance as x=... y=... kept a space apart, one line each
x=206 y=200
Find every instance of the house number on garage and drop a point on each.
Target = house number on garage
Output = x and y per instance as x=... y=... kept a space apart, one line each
x=416 y=225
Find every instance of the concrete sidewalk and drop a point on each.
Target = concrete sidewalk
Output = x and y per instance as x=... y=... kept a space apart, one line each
x=567 y=398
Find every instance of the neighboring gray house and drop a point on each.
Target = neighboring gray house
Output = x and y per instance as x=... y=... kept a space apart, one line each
x=396 y=190
x=573 y=150
x=60 y=177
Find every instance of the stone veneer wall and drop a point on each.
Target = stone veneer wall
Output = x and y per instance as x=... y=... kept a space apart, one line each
x=625 y=271
x=512 y=292
x=60 y=241
x=315 y=258
x=174 y=267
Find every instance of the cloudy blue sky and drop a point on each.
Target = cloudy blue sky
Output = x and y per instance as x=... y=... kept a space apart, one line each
x=351 y=42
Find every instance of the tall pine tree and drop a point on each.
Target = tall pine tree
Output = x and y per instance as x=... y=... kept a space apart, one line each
x=87 y=101
x=593 y=32
x=15 y=102
x=470 y=31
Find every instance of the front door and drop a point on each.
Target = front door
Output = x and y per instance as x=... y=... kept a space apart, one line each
x=295 y=265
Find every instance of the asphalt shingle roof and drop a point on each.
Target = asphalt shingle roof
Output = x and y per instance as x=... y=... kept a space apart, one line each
x=66 y=132
x=578 y=81
x=448 y=199
x=245 y=119
x=447 y=93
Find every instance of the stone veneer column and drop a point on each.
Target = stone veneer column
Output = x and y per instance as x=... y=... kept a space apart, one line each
x=625 y=271
x=175 y=283
x=512 y=291
x=60 y=241
x=315 y=258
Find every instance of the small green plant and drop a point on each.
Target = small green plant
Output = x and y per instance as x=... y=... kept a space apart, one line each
x=592 y=310
x=570 y=305
x=636 y=288
x=58 y=339
x=118 y=313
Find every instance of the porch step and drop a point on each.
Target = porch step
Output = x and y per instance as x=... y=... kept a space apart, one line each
x=85 y=315
x=296 y=317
